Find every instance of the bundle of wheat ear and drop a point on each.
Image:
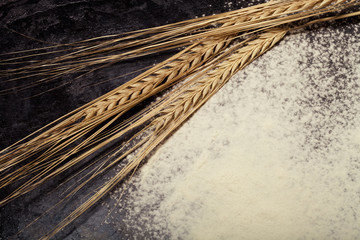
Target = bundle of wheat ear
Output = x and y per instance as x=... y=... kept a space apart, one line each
x=214 y=49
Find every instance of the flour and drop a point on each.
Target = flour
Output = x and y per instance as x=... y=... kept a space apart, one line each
x=275 y=154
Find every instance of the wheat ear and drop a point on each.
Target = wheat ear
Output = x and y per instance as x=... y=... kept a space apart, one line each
x=129 y=95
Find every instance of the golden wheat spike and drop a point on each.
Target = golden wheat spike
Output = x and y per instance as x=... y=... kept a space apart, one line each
x=128 y=95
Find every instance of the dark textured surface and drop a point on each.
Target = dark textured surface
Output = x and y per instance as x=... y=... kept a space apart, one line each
x=60 y=21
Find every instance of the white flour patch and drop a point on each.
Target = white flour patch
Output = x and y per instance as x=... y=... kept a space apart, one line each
x=274 y=155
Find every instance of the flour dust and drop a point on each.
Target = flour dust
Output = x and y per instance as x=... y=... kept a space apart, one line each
x=275 y=154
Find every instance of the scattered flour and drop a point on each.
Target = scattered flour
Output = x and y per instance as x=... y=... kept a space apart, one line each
x=274 y=155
